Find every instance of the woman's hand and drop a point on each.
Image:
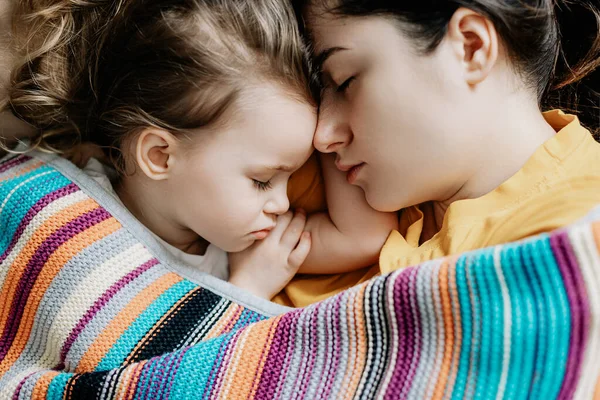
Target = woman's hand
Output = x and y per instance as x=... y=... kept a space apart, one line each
x=269 y=264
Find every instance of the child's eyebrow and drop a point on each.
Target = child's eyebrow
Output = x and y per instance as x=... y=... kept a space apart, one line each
x=284 y=168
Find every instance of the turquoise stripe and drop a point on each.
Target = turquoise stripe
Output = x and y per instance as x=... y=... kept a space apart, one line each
x=529 y=322
x=490 y=365
x=195 y=368
x=516 y=349
x=147 y=319
x=483 y=366
x=465 y=320
x=21 y=201
x=559 y=318
x=57 y=386
x=541 y=349
x=475 y=342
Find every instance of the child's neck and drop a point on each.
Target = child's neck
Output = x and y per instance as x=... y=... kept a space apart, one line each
x=151 y=212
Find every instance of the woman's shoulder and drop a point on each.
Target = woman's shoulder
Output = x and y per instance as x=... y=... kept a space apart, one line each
x=561 y=203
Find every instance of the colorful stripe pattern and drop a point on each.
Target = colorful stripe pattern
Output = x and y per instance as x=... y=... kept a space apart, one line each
x=79 y=293
x=514 y=321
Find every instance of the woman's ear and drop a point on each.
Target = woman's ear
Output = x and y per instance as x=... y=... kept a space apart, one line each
x=155 y=153
x=475 y=42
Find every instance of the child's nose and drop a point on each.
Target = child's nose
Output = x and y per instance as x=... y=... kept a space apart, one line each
x=279 y=204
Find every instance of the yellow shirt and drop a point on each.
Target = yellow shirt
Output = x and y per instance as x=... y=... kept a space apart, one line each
x=559 y=184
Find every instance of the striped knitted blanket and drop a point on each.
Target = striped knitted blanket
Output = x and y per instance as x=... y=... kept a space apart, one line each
x=92 y=307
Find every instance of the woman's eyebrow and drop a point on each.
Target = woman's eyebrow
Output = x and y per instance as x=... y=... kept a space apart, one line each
x=321 y=57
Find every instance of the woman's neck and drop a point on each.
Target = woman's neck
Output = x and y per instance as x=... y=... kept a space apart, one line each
x=515 y=131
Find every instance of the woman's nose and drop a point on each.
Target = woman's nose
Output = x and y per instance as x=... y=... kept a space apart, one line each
x=333 y=131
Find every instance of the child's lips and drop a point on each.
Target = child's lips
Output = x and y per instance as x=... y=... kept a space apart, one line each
x=263 y=233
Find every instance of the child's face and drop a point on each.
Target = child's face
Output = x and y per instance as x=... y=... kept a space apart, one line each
x=230 y=185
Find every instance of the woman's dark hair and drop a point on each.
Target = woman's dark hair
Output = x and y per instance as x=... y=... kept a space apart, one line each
x=554 y=44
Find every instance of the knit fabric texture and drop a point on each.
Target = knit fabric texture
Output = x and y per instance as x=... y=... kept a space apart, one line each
x=87 y=311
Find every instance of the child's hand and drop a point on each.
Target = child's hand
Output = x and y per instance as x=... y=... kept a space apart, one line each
x=268 y=265
x=80 y=154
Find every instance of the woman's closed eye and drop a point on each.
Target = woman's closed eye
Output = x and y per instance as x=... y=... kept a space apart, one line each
x=345 y=85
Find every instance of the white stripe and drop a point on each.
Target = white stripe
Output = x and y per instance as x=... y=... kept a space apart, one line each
x=88 y=291
x=393 y=324
x=507 y=322
x=582 y=238
x=25 y=182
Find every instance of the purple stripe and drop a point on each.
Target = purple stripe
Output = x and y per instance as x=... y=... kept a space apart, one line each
x=101 y=302
x=34 y=267
x=405 y=332
x=409 y=293
x=17 y=392
x=580 y=312
x=173 y=371
x=33 y=211
x=13 y=163
x=278 y=352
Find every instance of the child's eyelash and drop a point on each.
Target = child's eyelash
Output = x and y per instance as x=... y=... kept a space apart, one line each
x=262 y=185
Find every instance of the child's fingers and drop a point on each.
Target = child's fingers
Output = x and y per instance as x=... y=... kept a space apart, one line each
x=283 y=222
x=294 y=230
x=301 y=251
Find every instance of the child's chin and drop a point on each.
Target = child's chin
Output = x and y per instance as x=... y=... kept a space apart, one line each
x=240 y=246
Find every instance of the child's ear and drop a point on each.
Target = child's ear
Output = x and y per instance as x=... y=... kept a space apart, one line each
x=475 y=42
x=155 y=153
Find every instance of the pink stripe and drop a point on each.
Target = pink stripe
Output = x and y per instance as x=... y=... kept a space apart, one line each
x=13 y=163
x=580 y=312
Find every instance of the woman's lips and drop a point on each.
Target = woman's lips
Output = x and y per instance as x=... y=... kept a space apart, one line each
x=353 y=173
x=351 y=170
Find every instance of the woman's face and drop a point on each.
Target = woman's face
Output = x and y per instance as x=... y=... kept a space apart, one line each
x=390 y=113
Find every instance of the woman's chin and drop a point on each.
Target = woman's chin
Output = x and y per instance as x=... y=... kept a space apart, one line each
x=379 y=202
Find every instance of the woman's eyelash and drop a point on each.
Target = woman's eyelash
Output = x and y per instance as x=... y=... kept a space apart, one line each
x=262 y=185
x=342 y=88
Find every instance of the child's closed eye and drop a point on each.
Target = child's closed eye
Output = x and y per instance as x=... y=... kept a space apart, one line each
x=260 y=185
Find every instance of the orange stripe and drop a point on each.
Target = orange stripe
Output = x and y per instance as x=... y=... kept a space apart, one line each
x=448 y=330
x=55 y=263
x=457 y=322
x=40 y=390
x=247 y=352
x=22 y=171
x=123 y=320
x=355 y=369
x=17 y=268
x=273 y=323
x=596 y=229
